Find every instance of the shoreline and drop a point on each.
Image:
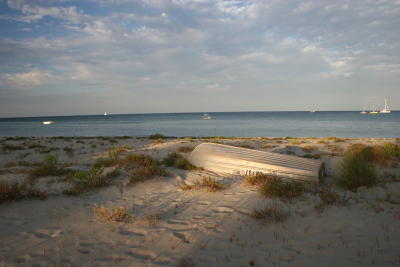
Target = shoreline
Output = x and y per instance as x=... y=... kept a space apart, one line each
x=169 y=219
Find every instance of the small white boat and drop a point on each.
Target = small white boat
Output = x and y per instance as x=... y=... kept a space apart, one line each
x=207 y=117
x=363 y=111
x=105 y=113
x=48 y=122
x=385 y=109
x=312 y=111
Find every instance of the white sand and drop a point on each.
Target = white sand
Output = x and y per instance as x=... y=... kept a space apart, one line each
x=207 y=229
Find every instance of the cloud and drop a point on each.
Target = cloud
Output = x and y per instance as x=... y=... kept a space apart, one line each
x=184 y=47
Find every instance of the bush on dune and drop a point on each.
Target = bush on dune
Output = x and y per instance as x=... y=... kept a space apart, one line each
x=357 y=169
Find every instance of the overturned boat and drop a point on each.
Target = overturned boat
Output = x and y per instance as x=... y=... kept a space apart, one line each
x=226 y=159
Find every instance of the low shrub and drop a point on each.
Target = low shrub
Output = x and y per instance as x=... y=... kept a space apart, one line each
x=357 y=169
x=157 y=136
x=277 y=187
x=178 y=161
x=391 y=150
x=14 y=191
x=143 y=167
x=49 y=166
x=207 y=182
x=257 y=179
x=270 y=214
x=118 y=214
x=84 y=181
x=185 y=149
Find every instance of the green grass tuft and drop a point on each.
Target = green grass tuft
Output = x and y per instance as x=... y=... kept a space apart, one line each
x=178 y=161
x=49 y=166
x=270 y=214
x=357 y=169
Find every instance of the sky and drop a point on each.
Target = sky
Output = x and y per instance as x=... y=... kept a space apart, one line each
x=61 y=57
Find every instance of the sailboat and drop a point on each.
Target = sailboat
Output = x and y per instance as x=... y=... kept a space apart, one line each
x=373 y=111
x=363 y=111
x=385 y=109
x=105 y=113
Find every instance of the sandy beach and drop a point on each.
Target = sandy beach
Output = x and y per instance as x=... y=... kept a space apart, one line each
x=156 y=222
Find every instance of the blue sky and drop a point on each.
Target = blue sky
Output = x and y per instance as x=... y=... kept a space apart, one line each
x=65 y=57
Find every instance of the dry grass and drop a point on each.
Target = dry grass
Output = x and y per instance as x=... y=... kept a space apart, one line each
x=357 y=168
x=14 y=191
x=85 y=181
x=309 y=148
x=257 y=179
x=272 y=213
x=49 y=166
x=178 y=161
x=207 y=182
x=118 y=214
x=185 y=149
x=274 y=186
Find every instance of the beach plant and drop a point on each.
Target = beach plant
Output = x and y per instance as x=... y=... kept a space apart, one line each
x=118 y=214
x=276 y=187
x=142 y=167
x=271 y=213
x=157 y=136
x=69 y=151
x=357 y=169
x=208 y=183
x=49 y=166
x=14 y=191
x=185 y=149
x=84 y=181
x=178 y=161
x=391 y=150
x=258 y=179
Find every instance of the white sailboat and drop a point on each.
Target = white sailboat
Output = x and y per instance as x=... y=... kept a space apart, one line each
x=385 y=109
x=105 y=113
x=373 y=111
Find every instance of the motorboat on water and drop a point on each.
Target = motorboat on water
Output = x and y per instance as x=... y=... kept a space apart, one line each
x=105 y=114
x=207 y=117
x=48 y=122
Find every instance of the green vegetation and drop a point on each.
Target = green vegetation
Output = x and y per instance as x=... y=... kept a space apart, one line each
x=273 y=186
x=391 y=150
x=357 y=168
x=49 y=166
x=178 y=161
x=157 y=136
x=69 y=151
x=144 y=167
x=9 y=147
x=185 y=149
x=118 y=214
x=14 y=191
x=209 y=183
x=277 y=187
x=270 y=214
x=84 y=181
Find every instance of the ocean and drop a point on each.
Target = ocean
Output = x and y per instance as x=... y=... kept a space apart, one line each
x=239 y=124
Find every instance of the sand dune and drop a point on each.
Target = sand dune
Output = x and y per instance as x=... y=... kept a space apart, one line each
x=171 y=226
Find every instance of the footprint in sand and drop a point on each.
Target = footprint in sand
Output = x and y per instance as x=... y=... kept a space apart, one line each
x=115 y=258
x=47 y=233
x=181 y=222
x=203 y=203
x=141 y=254
x=223 y=209
x=136 y=232
x=183 y=236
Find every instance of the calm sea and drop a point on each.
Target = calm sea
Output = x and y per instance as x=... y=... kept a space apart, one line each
x=242 y=124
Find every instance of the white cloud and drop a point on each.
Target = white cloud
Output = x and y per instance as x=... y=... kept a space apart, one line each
x=35 y=77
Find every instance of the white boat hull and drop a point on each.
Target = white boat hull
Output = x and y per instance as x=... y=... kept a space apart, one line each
x=242 y=161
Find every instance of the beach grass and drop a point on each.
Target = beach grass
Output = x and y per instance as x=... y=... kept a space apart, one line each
x=271 y=213
x=357 y=168
x=208 y=183
x=118 y=214
x=178 y=161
